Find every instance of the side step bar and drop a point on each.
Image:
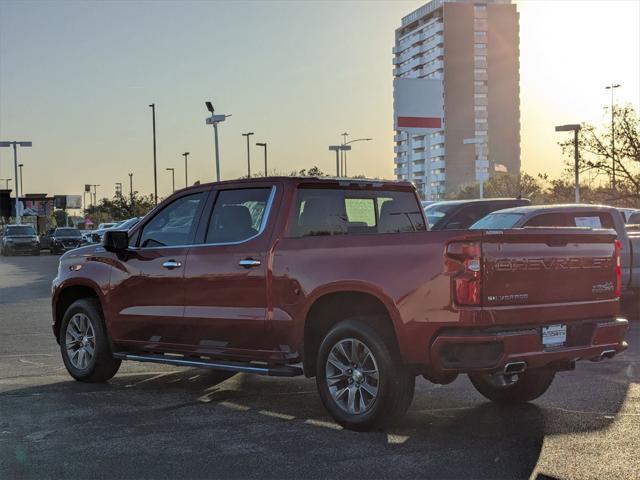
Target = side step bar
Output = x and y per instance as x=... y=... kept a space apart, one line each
x=273 y=371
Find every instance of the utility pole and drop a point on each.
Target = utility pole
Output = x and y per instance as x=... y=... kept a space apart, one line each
x=343 y=156
x=95 y=202
x=155 y=169
x=186 y=181
x=15 y=145
x=248 y=134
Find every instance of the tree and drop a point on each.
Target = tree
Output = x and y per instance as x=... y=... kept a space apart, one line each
x=596 y=155
x=504 y=185
x=120 y=207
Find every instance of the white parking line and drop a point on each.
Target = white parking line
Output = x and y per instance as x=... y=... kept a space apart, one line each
x=282 y=416
x=322 y=423
x=393 y=439
x=234 y=406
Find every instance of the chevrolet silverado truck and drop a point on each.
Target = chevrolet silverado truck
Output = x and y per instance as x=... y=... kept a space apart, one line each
x=340 y=280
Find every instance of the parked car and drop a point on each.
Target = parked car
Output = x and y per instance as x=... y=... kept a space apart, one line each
x=461 y=214
x=575 y=215
x=631 y=215
x=19 y=239
x=45 y=240
x=65 y=239
x=96 y=235
x=104 y=226
x=344 y=278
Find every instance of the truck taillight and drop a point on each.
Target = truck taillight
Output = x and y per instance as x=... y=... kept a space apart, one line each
x=467 y=281
x=618 y=290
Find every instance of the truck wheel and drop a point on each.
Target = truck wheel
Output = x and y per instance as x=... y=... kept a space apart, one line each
x=84 y=344
x=530 y=385
x=361 y=382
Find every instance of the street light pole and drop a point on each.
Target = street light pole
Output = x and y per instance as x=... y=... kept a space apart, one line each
x=612 y=87
x=15 y=145
x=264 y=144
x=20 y=167
x=343 y=155
x=248 y=134
x=155 y=167
x=345 y=150
x=575 y=128
x=173 y=178
x=131 y=188
x=95 y=201
x=214 y=120
x=186 y=181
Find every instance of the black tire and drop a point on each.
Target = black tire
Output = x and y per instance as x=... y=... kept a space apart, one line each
x=530 y=385
x=102 y=365
x=395 y=386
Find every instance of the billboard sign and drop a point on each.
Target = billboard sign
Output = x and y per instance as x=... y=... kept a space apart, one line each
x=62 y=202
x=74 y=201
x=418 y=105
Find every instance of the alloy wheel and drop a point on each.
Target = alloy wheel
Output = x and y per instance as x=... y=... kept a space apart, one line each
x=80 y=341
x=352 y=376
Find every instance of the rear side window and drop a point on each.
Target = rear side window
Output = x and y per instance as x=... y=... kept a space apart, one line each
x=340 y=212
x=237 y=215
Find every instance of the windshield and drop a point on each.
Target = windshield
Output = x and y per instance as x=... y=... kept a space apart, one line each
x=68 y=232
x=17 y=230
x=497 y=221
x=438 y=211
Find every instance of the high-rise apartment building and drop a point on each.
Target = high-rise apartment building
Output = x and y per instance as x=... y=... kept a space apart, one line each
x=472 y=47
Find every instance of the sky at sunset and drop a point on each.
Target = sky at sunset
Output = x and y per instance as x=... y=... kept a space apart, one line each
x=76 y=79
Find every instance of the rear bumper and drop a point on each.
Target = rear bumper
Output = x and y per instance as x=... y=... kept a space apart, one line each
x=490 y=349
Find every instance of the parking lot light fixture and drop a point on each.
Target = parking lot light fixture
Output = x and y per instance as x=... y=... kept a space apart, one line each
x=575 y=128
x=215 y=120
x=186 y=177
x=173 y=178
x=15 y=144
x=264 y=144
x=248 y=135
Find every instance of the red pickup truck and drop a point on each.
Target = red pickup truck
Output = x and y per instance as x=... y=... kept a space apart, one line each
x=341 y=280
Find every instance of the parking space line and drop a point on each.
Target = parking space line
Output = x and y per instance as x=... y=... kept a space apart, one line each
x=282 y=416
x=322 y=423
x=234 y=406
x=394 y=439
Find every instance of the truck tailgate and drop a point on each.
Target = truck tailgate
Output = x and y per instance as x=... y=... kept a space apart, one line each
x=535 y=266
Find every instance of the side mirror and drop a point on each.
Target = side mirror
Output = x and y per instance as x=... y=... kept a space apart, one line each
x=115 y=240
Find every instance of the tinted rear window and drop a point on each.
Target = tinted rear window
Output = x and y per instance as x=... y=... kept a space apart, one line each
x=497 y=221
x=68 y=232
x=340 y=212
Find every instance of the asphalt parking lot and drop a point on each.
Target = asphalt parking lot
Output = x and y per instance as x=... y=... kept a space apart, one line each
x=162 y=422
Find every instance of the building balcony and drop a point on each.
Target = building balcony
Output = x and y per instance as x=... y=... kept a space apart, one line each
x=400 y=171
x=438 y=164
x=436 y=152
x=399 y=137
x=400 y=148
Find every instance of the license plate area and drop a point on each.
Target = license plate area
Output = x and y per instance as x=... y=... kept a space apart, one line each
x=554 y=336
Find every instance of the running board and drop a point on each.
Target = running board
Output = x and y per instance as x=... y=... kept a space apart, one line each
x=272 y=371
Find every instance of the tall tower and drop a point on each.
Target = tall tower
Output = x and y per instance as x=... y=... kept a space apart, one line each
x=472 y=47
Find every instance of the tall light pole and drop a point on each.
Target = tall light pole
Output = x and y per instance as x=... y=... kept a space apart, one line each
x=20 y=165
x=95 y=188
x=131 y=189
x=173 y=178
x=612 y=87
x=15 y=163
x=215 y=120
x=248 y=135
x=186 y=178
x=344 y=172
x=575 y=128
x=343 y=154
x=339 y=149
x=264 y=144
x=155 y=165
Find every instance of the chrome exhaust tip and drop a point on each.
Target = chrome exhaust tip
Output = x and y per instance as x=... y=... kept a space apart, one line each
x=514 y=368
x=607 y=354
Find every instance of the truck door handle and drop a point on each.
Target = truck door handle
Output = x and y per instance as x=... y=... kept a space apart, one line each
x=249 y=262
x=171 y=264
